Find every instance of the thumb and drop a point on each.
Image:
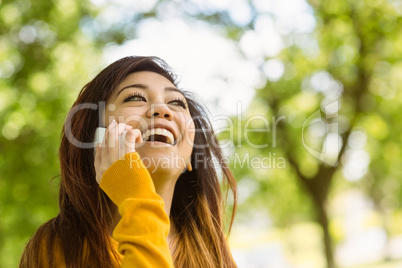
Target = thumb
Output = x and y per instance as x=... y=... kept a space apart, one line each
x=133 y=138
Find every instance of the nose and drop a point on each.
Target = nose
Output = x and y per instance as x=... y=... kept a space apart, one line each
x=161 y=111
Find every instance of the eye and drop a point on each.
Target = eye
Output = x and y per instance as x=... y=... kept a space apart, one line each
x=179 y=102
x=136 y=96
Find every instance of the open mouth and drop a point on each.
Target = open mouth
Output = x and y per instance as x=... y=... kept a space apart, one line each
x=158 y=135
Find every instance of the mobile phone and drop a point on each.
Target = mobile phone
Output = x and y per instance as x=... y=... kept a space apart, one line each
x=99 y=134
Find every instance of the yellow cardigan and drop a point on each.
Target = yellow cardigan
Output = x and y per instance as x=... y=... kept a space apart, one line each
x=143 y=229
x=141 y=235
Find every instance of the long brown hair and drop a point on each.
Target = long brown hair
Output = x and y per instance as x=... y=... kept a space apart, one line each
x=87 y=214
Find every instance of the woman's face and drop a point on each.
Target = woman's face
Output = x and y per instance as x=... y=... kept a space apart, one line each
x=151 y=103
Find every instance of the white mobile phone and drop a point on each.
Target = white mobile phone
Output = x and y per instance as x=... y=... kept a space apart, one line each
x=99 y=134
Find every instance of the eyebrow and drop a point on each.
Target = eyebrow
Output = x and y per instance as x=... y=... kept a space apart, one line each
x=142 y=86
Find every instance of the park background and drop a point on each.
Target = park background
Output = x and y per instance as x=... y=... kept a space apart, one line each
x=328 y=192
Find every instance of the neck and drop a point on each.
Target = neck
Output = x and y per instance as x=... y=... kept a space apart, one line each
x=164 y=186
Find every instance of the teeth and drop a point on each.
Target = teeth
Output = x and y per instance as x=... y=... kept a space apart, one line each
x=159 y=131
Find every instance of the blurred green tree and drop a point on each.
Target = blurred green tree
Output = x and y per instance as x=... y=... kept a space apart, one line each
x=44 y=60
x=352 y=60
x=339 y=88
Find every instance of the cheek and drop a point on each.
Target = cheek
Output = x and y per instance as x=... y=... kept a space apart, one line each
x=112 y=111
x=190 y=132
x=130 y=116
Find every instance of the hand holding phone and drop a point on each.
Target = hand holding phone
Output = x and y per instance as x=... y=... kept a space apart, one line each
x=113 y=143
x=100 y=134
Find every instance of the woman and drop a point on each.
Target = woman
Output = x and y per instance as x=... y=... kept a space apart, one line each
x=161 y=201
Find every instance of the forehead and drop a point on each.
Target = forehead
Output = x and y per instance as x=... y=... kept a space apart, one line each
x=146 y=80
x=151 y=79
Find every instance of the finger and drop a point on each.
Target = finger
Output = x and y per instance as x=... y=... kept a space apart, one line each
x=110 y=152
x=106 y=136
x=116 y=141
x=133 y=137
x=113 y=132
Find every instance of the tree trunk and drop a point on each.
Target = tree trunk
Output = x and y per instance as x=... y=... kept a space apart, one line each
x=322 y=218
x=317 y=189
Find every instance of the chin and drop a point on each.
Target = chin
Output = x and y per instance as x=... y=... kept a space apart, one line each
x=164 y=175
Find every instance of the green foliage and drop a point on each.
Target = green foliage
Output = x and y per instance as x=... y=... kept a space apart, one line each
x=50 y=49
x=45 y=60
x=357 y=41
